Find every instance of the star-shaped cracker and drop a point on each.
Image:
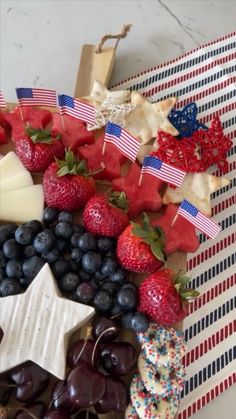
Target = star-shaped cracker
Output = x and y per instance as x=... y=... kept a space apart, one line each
x=147 y=118
x=100 y=93
x=197 y=189
x=185 y=120
x=37 y=325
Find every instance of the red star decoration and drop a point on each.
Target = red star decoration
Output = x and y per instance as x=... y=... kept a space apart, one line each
x=111 y=161
x=180 y=236
x=140 y=198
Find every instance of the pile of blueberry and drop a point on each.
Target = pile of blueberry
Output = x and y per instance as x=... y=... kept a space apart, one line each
x=84 y=265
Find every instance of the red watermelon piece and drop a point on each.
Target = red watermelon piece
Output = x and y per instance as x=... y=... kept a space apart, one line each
x=180 y=236
x=111 y=161
x=75 y=133
x=140 y=198
x=36 y=118
x=3 y=135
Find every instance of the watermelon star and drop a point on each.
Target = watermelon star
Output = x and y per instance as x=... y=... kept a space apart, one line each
x=180 y=236
x=110 y=162
x=140 y=198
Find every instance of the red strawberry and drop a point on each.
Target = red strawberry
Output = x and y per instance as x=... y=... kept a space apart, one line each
x=37 y=149
x=105 y=215
x=140 y=198
x=163 y=297
x=140 y=247
x=75 y=133
x=67 y=184
x=111 y=161
x=180 y=236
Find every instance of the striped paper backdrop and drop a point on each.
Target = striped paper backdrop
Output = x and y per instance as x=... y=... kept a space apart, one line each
x=206 y=76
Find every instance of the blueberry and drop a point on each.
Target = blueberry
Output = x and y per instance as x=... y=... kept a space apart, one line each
x=76 y=254
x=60 y=268
x=94 y=284
x=126 y=320
x=61 y=245
x=115 y=310
x=32 y=266
x=104 y=244
x=87 y=242
x=7 y=232
x=130 y=285
x=35 y=226
x=78 y=228
x=74 y=265
x=111 y=253
x=69 y=282
x=85 y=293
x=103 y=301
x=63 y=230
x=110 y=287
x=11 y=249
x=65 y=217
x=50 y=215
x=43 y=241
x=84 y=276
x=118 y=277
x=51 y=255
x=74 y=239
x=127 y=299
x=1 y=274
x=9 y=286
x=139 y=322
x=13 y=268
x=25 y=282
x=99 y=276
x=109 y=266
x=29 y=251
x=24 y=235
x=91 y=262
x=3 y=260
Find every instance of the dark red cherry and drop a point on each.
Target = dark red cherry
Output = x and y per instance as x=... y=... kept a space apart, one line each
x=85 y=386
x=57 y=414
x=38 y=409
x=59 y=396
x=84 y=414
x=100 y=324
x=31 y=381
x=116 y=396
x=5 y=390
x=76 y=353
x=119 y=357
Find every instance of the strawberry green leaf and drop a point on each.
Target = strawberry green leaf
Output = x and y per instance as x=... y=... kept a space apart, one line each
x=119 y=200
x=39 y=135
x=156 y=250
x=71 y=166
x=189 y=293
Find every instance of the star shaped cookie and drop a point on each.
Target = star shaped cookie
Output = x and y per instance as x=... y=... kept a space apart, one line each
x=37 y=325
x=197 y=189
x=100 y=93
x=147 y=118
x=185 y=120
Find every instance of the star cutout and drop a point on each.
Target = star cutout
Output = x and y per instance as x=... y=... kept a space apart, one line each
x=147 y=118
x=180 y=236
x=100 y=93
x=37 y=325
x=110 y=161
x=140 y=198
x=197 y=189
x=185 y=120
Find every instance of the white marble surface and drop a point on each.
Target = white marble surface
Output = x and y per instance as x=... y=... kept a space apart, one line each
x=41 y=42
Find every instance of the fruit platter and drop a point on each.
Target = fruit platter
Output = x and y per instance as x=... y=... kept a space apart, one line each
x=100 y=199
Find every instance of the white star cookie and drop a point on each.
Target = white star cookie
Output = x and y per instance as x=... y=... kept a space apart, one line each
x=100 y=93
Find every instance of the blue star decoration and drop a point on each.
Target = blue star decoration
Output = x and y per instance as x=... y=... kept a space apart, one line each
x=185 y=120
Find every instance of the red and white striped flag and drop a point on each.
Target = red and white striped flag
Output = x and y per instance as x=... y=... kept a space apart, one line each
x=36 y=97
x=3 y=104
x=156 y=167
x=123 y=140
x=76 y=108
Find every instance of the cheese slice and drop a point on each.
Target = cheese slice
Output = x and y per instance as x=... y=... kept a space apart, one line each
x=19 y=181
x=22 y=205
x=10 y=165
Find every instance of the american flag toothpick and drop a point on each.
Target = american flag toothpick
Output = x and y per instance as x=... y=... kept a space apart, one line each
x=121 y=139
x=36 y=97
x=76 y=108
x=156 y=167
x=3 y=104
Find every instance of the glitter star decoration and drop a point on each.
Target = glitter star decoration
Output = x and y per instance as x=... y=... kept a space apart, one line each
x=185 y=120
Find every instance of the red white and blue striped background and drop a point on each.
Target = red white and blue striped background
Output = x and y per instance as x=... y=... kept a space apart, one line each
x=206 y=76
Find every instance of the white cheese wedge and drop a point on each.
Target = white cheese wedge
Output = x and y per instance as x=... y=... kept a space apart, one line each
x=10 y=165
x=22 y=205
x=19 y=181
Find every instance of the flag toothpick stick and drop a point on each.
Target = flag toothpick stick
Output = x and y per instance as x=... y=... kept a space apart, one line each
x=103 y=148
x=140 y=179
x=174 y=219
x=21 y=114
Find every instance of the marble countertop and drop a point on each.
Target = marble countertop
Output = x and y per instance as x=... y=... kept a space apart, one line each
x=41 y=42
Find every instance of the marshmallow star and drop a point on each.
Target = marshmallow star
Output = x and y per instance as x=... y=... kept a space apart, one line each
x=37 y=325
x=147 y=118
x=100 y=93
x=197 y=189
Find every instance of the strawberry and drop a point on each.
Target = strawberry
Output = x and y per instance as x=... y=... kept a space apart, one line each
x=67 y=183
x=37 y=149
x=179 y=236
x=163 y=297
x=3 y=135
x=106 y=214
x=140 y=247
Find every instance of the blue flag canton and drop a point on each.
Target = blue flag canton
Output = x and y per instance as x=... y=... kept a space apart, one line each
x=65 y=100
x=185 y=205
x=153 y=162
x=113 y=129
x=24 y=92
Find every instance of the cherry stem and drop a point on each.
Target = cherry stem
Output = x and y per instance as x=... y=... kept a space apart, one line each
x=98 y=340
x=117 y=315
x=22 y=408
x=7 y=386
